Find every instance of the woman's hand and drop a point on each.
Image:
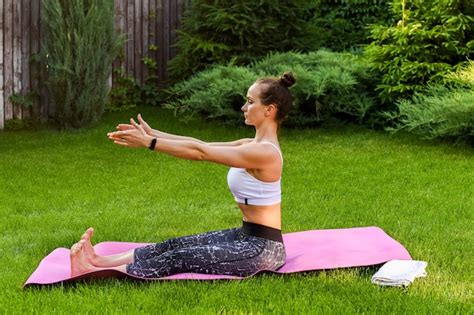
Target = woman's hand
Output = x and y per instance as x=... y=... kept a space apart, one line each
x=133 y=136
x=144 y=124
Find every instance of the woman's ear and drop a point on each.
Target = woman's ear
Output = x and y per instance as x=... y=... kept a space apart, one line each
x=272 y=109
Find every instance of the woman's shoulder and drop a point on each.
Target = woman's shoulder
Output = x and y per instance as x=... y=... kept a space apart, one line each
x=269 y=147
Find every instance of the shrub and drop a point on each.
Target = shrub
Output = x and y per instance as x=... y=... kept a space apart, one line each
x=217 y=92
x=431 y=38
x=329 y=86
x=20 y=124
x=79 y=48
x=125 y=94
x=218 y=31
x=442 y=112
x=343 y=24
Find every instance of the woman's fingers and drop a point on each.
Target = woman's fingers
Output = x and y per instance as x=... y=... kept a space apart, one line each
x=141 y=129
x=143 y=122
x=140 y=119
x=124 y=127
x=117 y=135
x=122 y=143
x=121 y=133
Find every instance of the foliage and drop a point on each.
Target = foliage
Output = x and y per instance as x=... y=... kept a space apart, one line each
x=125 y=93
x=342 y=24
x=214 y=93
x=442 y=112
x=79 y=48
x=128 y=93
x=431 y=37
x=218 y=31
x=24 y=100
x=329 y=86
x=19 y=124
x=149 y=90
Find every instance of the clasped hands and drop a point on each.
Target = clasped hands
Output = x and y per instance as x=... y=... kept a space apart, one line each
x=132 y=135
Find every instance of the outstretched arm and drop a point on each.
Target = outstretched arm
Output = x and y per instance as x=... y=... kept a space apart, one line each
x=163 y=135
x=250 y=155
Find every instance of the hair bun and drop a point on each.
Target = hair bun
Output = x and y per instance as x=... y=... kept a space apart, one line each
x=287 y=79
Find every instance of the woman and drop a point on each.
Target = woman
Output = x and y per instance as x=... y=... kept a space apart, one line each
x=254 y=180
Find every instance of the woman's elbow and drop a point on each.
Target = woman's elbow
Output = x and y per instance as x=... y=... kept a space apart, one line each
x=198 y=156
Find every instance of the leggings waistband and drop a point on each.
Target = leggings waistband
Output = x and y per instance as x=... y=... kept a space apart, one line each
x=263 y=231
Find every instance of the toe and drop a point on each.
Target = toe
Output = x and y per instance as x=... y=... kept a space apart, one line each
x=80 y=244
x=88 y=234
x=75 y=249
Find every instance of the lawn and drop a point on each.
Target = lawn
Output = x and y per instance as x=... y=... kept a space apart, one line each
x=53 y=185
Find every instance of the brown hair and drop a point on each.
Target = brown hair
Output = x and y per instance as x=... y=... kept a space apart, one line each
x=275 y=91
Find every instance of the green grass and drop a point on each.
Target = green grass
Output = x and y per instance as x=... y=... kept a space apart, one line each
x=53 y=185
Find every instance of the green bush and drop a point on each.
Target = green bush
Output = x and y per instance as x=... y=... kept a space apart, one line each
x=217 y=92
x=442 y=112
x=79 y=48
x=125 y=94
x=343 y=24
x=20 y=124
x=218 y=31
x=431 y=38
x=330 y=86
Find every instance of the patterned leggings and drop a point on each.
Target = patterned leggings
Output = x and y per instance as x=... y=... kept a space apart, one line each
x=225 y=252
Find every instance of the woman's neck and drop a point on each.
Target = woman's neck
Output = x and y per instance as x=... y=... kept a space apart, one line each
x=267 y=132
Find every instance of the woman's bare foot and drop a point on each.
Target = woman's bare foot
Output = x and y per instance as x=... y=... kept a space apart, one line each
x=87 y=247
x=98 y=261
x=79 y=263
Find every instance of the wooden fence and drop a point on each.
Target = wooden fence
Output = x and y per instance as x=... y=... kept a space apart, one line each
x=144 y=22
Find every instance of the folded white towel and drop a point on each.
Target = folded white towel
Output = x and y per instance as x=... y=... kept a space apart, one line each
x=399 y=272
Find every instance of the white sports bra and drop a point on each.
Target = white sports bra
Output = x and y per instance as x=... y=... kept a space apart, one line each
x=251 y=191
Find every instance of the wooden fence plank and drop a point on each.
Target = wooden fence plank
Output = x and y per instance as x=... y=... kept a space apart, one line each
x=166 y=35
x=159 y=38
x=8 y=57
x=130 y=33
x=17 y=55
x=25 y=52
x=46 y=108
x=116 y=63
x=2 y=94
x=123 y=30
x=35 y=47
x=144 y=37
x=173 y=20
x=137 y=41
x=152 y=34
x=121 y=10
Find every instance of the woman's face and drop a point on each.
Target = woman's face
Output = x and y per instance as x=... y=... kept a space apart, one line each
x=254 y=110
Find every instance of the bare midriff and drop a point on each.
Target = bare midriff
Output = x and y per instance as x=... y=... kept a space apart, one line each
x=264 y=215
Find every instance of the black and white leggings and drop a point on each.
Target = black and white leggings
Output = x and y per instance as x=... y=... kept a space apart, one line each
x=237 y=252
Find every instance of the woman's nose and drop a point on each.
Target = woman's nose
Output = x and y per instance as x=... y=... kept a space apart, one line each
x=244 y=108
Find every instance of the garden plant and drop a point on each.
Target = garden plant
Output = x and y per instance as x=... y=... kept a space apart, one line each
x=79 y=48
x=381 y=133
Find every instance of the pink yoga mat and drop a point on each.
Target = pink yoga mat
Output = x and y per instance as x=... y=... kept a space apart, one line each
x=305 y=251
